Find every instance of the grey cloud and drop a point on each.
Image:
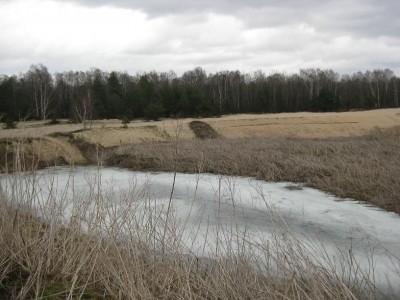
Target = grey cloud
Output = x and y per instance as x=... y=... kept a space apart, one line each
x=156 y=7
x=369 y=18
x=359 y=17
x=344 y=35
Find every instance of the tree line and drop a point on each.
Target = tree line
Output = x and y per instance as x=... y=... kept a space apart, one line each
x=95 y=94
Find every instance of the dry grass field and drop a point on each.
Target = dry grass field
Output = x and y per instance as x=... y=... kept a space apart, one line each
x=352 y=154
x=51 y=144
x=110 y=133
x=305 y=124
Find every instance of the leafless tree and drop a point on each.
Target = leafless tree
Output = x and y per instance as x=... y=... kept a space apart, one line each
x=379 y=83
x=195 y=78
x=83 y=109
x=220 y=89
x=42 y=84
x=396 y=82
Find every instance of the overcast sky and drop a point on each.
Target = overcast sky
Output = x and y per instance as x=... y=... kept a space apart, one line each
x=161 y=35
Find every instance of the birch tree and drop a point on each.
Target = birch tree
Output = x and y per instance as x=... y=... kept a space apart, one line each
x=42 y=88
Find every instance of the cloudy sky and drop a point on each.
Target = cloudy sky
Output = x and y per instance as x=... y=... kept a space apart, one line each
x=161 y=35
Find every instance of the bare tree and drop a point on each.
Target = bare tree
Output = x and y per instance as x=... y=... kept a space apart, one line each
x=42 y=84
x=379 y=83
x=83 y=108
x=167 y=78
x=395 y=91
x=220 y=89
x=235 y=84
x=195 y=78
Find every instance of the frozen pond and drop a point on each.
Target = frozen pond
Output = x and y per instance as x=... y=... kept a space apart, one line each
x=210 y=215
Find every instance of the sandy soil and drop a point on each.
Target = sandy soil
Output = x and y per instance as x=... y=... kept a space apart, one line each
x=304 y=124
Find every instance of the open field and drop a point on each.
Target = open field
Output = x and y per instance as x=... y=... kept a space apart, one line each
x=110 y=133
x=306 y=125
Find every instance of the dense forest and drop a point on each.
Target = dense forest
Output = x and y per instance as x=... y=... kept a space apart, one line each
x=95 y=94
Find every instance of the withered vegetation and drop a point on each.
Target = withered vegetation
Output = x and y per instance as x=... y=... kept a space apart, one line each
x=87 y=258
x=365 y=168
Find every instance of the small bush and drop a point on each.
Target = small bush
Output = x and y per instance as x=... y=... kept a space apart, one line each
x=53 y=121
x=10 y=124
x=125 y=122
x=203 y=130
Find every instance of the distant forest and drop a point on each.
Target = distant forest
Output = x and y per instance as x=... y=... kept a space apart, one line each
x=95 y=94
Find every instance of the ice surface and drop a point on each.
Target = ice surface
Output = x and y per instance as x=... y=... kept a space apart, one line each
x=221 y=215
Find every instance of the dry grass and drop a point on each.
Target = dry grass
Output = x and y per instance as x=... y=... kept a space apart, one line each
x=39 y=153
x=92 y=255
x=100 y=251
x=365 y=168
x=305 y=124
x=203 y=130
x=109 y=133
x=68 y=143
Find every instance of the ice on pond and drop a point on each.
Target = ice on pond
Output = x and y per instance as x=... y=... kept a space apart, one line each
x=211 y=215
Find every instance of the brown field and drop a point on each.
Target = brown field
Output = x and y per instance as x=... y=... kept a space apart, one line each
x=110 y=133
x=306 y=125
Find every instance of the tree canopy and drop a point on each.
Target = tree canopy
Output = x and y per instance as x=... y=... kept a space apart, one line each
x=37 y=94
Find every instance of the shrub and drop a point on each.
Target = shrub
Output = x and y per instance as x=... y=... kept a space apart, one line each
x=10 y=124
x=125 y=122
x=53 y=121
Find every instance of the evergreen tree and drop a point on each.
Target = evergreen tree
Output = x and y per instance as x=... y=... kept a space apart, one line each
x=154 y=111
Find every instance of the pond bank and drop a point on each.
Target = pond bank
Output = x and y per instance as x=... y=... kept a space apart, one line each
x=365 y=168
